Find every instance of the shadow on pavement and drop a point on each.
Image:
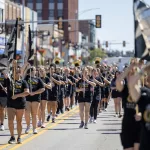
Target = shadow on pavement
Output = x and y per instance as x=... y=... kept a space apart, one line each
x=65 y=129
x=108 y=129
x=112 y=133
x=69 y=123
x=111 y=123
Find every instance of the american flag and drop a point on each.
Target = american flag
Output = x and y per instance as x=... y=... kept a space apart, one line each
x=142 y=29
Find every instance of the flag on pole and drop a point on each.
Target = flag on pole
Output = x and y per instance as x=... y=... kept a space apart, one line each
x=29 y=51
x=142 y=29
x=10 y=50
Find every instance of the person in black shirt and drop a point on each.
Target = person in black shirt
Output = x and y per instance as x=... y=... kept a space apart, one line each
x=84 y=87
x=44 y=97
x=36 y=87
x=53 y=93
x=3 y=99
x=142 y=96
x=96 y=95
x=116 y=95
x=68 y=88
x=17 y=90
x=130 y=135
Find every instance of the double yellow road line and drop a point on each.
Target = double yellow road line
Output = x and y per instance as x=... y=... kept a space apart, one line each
x=28 y=137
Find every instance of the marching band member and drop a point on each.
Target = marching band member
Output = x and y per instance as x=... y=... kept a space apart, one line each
x=96 y=96
x=53 y=93
x=36 y=87
x=44 y=97
x=3 y=99
x=17 y=90
x=85 y=97
x=142 y=96
x=116 y=95
x=130 y=136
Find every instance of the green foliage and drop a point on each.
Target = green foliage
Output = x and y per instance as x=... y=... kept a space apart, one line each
x=97 y=53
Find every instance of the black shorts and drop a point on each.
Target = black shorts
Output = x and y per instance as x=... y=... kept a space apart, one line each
x=130 y=132
x=115 y=94
x=3 y=101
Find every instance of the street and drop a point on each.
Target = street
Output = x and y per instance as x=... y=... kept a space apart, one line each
x=65 y=134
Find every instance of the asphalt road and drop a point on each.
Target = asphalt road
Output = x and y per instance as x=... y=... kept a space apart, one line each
x=65 y=134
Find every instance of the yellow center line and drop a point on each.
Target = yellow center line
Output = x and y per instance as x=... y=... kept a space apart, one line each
x=25 y=135
x=43 y=131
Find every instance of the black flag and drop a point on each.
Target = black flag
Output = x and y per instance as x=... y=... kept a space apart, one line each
x=142 y=33
x=29 y=51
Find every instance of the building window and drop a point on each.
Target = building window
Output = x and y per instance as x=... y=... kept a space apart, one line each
x=51 y=6
x=51 y=1
x=30 y=5
x=51 y=18
x=51 y=13
x=60 y=13
x=30 y=1
x=60 y=1
x=39 y=1
x=38 y=6
x=1 y=15
x=60 y=6
x=39 y=12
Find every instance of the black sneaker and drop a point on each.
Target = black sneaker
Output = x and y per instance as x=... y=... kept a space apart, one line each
x=62 y=111
x=85 y=126
x=12 y=140
x=67 y=108
x=48 y=118
x=53 y=120
x=81 y=125
x=19 y=141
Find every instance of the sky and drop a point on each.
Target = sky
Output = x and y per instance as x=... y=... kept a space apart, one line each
x=117 y=21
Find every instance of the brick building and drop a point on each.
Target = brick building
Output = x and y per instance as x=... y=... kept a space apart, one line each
x=87 y=28
x=52 y=9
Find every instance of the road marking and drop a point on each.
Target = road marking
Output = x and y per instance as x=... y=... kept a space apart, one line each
x=43 y=131
x=47 y=125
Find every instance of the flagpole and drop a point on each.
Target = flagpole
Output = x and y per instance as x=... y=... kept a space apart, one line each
x=15 y=49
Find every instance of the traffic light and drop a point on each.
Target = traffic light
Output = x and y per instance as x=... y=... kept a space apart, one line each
x=106 y=43
x=98 y=21
x=98 y=44
x=124 y=43
x=60 y=23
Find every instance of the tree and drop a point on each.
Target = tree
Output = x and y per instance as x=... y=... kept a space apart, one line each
x=97 y=53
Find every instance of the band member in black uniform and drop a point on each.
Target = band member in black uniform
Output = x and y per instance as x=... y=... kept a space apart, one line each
x=85 y=97
x=36 y=87
x=44 y=97
x=3 y=99
x=96 y=95
x=61 y=91
x=130 y=136
x=53 y=93
x=142 y=95
x=106 y=89
x=116 y=95
x=17 y=90
x=68 y=88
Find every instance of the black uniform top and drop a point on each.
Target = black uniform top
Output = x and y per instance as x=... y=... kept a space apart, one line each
x=129 y=106
x=98 y=89
x=44 y=95
x=34 y=85
x=3 y=82
x=19 y=86
x=84 y=96
x=144 y=105
x=54 y=92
